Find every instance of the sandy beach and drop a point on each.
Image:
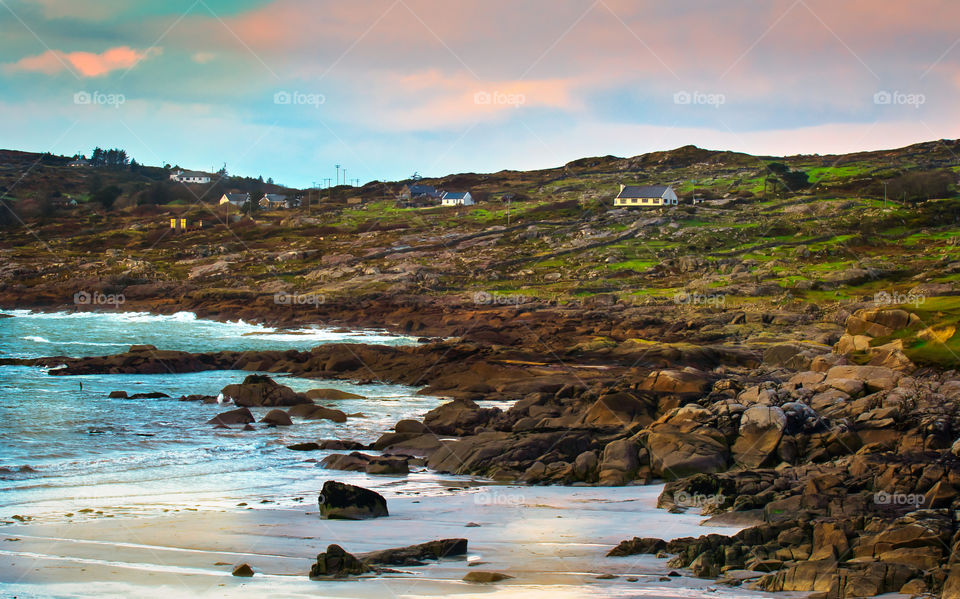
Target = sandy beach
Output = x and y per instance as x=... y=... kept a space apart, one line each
x=552 y=540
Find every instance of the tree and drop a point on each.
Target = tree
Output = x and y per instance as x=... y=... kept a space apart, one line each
x=916 y=187
x=780 y=174
x=106 y=196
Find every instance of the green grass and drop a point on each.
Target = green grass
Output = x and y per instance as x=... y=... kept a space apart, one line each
x=637 y=265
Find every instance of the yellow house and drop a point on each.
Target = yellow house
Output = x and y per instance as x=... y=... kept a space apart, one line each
x=640 y=196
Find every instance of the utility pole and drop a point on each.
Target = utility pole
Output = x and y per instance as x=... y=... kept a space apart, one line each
x=338 y=174
x=344 y=176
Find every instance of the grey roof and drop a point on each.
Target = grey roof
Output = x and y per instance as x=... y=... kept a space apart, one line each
x=418 y=189
x=274 y=197
x=237 y=198
x=193 y=174
x=643 y=191
x=455 y=195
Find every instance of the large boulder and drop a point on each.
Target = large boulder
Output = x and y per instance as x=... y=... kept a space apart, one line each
x=238 y=416
x=336 y=563
x=876 y=378
x=340 y=501
x=459 y=417
x=261 y=390
x=277 y=418
x=620 y=462
x=761 y=428
x=676 y=453
x=619 y=409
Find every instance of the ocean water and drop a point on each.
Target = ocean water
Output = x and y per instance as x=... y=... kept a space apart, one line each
x=63 y=449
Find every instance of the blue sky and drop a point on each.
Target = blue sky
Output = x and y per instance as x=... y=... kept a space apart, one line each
x=289 y=88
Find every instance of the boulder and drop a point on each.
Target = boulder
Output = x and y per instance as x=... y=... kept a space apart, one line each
x=277 y=418
x=118 y=395
x=340 y=501
x=312 y=412
x=243 y=570
x=459 y=417
x=619 y=409
x=261 y=390
x=681 y=382
x=337 y=563
x=485 y=577
x=620 y=462
x=387 y=465
x=353 y=462
x=238 y=416
x=876 y=378
x=638 y=545
x=676 y=454
x=761 y=428
x=410 y=426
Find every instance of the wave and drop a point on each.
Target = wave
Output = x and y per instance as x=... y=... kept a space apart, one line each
x=38 y=339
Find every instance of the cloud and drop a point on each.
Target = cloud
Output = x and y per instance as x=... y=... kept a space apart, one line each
x=203 y=57
x=83 y=64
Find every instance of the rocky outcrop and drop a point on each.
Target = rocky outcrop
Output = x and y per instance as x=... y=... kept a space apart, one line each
x=261 y=390
x=337 y=563
x=414 y=555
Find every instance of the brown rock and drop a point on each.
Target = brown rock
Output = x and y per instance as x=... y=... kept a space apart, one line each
x=277 y=418
x=238 y=416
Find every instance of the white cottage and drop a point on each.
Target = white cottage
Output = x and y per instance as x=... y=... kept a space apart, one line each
x=635 y=196
x=456 y=198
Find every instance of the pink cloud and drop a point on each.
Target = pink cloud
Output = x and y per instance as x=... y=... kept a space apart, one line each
x=85 y=64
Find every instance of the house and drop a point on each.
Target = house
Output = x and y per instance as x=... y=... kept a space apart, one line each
x=183 y=225
x=79 y=162
x=456 y=198
x=409 y=192
x=274 y=201
x=235 y=199
x=646 y=195
x=190 y=177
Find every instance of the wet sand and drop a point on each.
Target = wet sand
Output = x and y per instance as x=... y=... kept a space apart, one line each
x=552 y=540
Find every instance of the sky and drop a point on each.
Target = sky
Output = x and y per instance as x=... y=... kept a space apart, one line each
x=289 y=89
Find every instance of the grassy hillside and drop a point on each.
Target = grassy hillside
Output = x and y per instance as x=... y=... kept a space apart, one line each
x=551 y=234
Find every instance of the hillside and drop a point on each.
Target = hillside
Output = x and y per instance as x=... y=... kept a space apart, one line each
x=541 y=236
